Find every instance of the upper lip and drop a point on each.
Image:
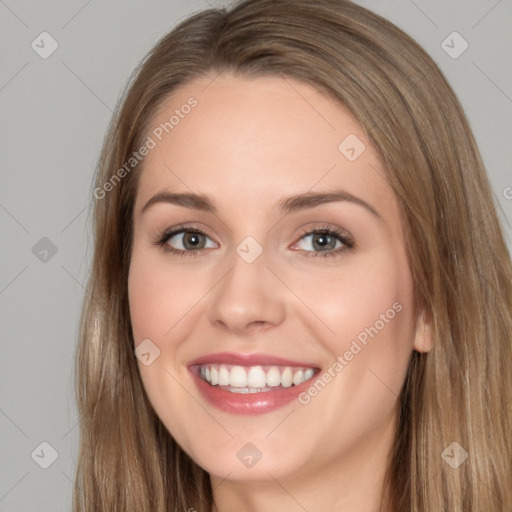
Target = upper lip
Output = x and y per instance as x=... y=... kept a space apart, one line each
x=248 y=360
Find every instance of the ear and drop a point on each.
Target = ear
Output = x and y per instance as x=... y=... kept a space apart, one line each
x=423 y=339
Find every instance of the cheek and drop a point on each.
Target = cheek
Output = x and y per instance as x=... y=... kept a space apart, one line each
x=367 y=316
x=159 y=298
x=158 y=301
x=146 y=318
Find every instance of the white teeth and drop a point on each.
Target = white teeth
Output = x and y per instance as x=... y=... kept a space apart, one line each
x=287 y=377
x=223 y=376
x=238 y=377
x=214 y=376
x=273 y=377
x=309 y=373
x=254 y=379
x=246 y=390
x=257 y=378
x=298 y=377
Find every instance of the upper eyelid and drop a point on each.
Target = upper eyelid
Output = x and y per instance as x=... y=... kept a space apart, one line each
x=304 y=232
x=184 y=229
x=346 y=240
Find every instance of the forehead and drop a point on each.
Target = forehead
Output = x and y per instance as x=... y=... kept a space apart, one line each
x=247 y=141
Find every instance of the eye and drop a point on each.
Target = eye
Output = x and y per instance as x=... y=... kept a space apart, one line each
x=325 y=241
x=184 y=241
x=321 y=241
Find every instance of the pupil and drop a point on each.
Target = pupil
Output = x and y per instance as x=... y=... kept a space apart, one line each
x=191 y=240
x=322 y=240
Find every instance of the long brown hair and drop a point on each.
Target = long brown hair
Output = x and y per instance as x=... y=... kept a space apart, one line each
x=460 y=392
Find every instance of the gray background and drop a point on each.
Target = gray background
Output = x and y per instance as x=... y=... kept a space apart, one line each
x=54 y=113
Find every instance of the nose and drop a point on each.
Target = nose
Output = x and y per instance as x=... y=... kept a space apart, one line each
x=249 y=298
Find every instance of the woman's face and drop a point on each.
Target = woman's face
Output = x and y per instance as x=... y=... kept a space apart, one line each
x=264 y=301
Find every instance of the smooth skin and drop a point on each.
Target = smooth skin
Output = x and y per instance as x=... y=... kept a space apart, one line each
x=248 y=144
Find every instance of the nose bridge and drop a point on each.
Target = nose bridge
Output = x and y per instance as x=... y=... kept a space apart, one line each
x=248 y=294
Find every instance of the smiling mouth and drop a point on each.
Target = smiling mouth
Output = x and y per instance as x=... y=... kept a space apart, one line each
x=253 y=379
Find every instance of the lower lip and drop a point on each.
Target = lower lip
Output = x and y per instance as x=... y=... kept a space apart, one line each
x=247 y=403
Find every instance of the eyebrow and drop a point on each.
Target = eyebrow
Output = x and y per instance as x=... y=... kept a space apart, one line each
x=285 y=205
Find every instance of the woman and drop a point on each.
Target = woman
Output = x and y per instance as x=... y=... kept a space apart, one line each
x=300 y=294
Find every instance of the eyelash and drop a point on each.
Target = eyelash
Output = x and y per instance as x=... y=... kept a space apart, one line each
x=322 y=230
